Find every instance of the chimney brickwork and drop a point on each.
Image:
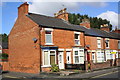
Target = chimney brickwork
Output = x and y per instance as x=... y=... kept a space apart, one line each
x=105 y=27
x=23 y=9
x=62 y=14
x=85 y=23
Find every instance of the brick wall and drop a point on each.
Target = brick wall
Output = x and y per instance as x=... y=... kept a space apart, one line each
x=117 y=62
x=115 y=42
x=95 y=66
x=23 y=52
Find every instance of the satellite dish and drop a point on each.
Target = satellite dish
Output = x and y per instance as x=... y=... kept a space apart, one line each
x=35 y=40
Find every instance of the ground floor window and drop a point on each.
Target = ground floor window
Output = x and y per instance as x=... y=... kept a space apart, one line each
x=49 y=57
x=108 y=55
x=100 y=56
x=78 y=56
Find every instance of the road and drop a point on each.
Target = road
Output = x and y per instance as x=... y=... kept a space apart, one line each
x=107 y=76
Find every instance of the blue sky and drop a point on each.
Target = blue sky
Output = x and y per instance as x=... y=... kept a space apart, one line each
x=9 y=11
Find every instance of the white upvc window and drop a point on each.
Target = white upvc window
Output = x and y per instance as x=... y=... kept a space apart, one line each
x=108 y=54
x=49 y=57
x=100 y=56
x=77 y=38
x=78 y=57
x=48 y=36
x=99 y=43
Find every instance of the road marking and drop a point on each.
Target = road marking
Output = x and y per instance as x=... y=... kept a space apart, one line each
x=11 y=77
x=103 y=74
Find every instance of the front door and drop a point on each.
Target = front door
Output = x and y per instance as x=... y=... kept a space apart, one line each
x=61 y=60
x=68 y=57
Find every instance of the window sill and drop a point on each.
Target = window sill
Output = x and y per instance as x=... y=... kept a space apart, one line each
x=46 y=66
x=49 y=44
x=78 y=45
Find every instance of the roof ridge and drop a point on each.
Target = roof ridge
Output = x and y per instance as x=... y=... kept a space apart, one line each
x=43 y=15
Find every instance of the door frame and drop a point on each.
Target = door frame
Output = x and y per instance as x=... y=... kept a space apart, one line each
x=63 y=65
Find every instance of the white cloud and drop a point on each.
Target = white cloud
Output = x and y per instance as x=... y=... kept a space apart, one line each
x=49 y=8
x=111 y=16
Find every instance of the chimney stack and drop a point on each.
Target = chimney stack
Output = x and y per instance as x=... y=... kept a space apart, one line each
x=105 y=27
x=23 y=9
x=62 y=14
x=116 y=30
x=86 y=23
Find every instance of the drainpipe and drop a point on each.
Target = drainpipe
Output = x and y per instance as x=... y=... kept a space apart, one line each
x=104 y=48
x=84 y=47
x=40 y=46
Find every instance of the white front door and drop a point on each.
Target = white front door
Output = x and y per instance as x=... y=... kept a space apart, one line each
x=68 y=57
x=61 y=60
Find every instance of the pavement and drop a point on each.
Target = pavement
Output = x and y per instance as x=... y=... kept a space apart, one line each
x=62 y=74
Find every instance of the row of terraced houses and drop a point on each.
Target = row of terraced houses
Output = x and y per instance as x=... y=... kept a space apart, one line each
x=37 y=41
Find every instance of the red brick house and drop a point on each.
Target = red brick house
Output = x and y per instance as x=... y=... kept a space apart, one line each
x=37 y=41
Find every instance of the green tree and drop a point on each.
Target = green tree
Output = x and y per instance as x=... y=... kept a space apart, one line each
x=94 y=21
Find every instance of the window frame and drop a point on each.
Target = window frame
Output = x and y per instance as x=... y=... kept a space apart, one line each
x=108 y=42
x=99 y=46
x=49 y=65
x=78 y=33
x=79 y=56
x=100 y=56
x=51 y=30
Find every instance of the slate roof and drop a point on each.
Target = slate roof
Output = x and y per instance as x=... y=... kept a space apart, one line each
x=52 y=22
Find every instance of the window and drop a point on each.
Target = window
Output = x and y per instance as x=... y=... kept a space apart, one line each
x=99 y=43
x=107 y=43
x=77 y=39
x=52 y=57
x=118 y=44
x=46 y=60
x=108 y=55
x=49 y=57
x=48 y=37
x=78 y=57
x=100 y=56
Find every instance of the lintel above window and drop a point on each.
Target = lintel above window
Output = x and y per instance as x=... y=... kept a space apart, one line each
x=48 y=29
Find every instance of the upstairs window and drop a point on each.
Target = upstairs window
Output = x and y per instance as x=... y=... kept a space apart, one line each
x=107 y=43
x=48 y=37
x=99 y=43
x=77 y=38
